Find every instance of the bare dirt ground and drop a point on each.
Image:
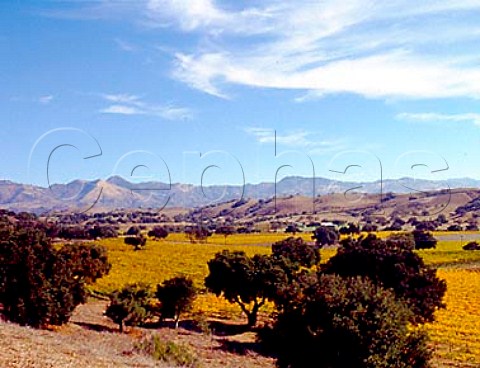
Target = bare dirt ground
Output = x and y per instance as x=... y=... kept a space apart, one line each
x=91 y=340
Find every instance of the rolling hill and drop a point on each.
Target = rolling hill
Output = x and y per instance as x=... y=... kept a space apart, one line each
x=117 y=192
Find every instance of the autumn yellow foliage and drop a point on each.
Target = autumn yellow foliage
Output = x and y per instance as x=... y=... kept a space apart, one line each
x=455 y=335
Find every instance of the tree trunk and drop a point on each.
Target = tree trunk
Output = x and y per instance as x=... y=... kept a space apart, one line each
x=252 y=318
x=177 y=319
x=120 y=326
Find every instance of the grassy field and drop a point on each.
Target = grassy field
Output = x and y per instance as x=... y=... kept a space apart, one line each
x=455 y=334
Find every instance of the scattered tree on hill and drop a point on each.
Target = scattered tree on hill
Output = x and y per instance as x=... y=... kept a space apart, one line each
x=324 y=235
x=176 y=296
x=424 y=240
x=455 y=227
x=394 y=265
x=426 y=226
x=369 y=228
x=73 y=232
x=340 y=323
x=402 y=240
x=198 y=233
x=158 y=232
x=225 y=230
x=442 y=219
x=472 y=226
x=102 y=232
x=40 y=285
x=292 y=228
x=244 y=280
x=133 y=230
x=129 y=306
x=138 y=242
x=350 y=229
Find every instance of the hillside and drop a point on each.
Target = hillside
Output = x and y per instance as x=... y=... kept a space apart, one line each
x=353 y=207
x=116 y=192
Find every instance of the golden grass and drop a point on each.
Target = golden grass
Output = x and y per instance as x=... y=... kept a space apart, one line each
x=455 y=334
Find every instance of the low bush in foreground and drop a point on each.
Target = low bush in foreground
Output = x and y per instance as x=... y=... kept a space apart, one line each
x=174 y=354
x=129 y=305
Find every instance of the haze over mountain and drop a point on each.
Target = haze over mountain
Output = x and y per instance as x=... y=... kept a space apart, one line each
x=117 y=192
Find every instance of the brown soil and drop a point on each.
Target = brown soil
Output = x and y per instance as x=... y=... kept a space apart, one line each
x=91 y=340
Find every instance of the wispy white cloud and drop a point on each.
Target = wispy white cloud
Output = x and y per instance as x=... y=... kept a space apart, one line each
x=45 y=100
x=302 y=139
x=122 y=110
x=208 y=16
x=293 y=139
x=126 y=104
x=373 y=48
x=368 y=48
x=124 y=45
x=435 y=117
x=122 y=98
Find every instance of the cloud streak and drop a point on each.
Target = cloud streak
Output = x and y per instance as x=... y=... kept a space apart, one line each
x=125 y=104
x=45 y=100
x=435 y=117
x=300 y=139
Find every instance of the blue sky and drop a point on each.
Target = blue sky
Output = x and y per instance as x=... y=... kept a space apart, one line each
x=201 y=90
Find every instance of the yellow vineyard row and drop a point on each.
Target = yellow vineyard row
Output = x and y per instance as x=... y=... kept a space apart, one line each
x=455 y=334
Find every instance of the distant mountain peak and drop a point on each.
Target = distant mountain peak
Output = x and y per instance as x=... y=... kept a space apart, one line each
x=118 y=192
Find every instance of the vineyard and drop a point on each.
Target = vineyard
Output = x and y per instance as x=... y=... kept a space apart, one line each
x=454 y=335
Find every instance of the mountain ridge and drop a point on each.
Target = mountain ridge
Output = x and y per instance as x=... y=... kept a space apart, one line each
x=118 y=192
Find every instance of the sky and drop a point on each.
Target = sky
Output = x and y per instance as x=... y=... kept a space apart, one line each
x=216 y=91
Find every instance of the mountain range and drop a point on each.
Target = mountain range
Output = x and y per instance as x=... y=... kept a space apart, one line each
x=117 y=192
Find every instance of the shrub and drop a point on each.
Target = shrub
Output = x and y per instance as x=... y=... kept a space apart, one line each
x=198 y=233
x=129 y=306
x=405 y=240
x=369 y=228
x=73 y=232
x=340 y=323
x=324 y=235
x=350 y=229
x=158 y=232
x=133 y=230
x=200 y=321
x=102 y=232
x=292 y=228
x=471 y=246
x=424 y=240
x=172 y=353
x=138 y=242
x=426 y=226
x=395 y=266
x=454 y=228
